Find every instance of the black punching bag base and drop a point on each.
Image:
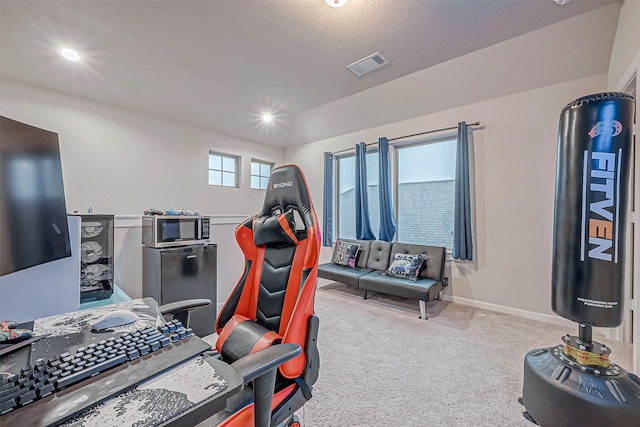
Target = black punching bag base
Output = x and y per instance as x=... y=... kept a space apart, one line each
x=558 y=393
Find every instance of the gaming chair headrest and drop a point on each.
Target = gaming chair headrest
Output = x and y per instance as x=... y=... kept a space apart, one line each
x=275 y=230
x=288 y=189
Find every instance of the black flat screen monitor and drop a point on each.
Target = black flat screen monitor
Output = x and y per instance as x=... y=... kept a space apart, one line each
x=33 y=214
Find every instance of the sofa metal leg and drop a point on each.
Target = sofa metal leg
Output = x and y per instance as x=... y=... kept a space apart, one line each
x=423 y=310
x=364 y=294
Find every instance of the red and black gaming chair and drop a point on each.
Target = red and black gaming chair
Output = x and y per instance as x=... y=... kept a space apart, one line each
x=273 y=301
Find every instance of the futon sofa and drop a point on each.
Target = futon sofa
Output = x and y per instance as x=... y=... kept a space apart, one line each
x=373 y=259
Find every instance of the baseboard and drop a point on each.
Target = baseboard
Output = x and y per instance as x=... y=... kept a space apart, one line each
x=532 y=315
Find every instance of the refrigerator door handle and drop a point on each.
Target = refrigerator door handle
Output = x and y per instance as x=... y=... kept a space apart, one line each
x=192 y=256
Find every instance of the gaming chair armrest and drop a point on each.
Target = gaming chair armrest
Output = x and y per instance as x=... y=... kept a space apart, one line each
x=181 y=310
x=257 y=364
x=261 y=367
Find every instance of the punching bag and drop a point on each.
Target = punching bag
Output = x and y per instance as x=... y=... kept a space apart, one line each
x=592 y=191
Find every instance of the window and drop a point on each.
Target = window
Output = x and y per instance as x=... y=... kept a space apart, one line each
x=260 y=173
x=346 y=195
x=223 y=170
x=425 y=183
x=423 y=186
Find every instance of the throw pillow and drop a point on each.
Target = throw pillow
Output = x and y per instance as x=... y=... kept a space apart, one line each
x=406 y=266
x=344 y=253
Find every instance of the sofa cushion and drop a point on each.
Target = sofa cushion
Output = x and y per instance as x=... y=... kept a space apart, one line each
x=379 y=255
x=434 y=265
x=341 y=273
x=363 y=255
x=344 y=253
x=422 y=289
x=406 y=266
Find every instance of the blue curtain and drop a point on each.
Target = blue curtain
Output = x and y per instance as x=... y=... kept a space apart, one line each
x=387 y=217
x=462 y=239
x=327 y=202
x=363 y=225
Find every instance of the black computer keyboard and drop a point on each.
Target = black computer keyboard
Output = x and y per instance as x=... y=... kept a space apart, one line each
x=53 y=390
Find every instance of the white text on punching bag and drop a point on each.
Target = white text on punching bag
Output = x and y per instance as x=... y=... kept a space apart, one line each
x=602 y=227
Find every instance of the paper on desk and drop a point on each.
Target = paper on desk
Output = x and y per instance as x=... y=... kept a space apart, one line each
x=158 y=400
x=77 y=321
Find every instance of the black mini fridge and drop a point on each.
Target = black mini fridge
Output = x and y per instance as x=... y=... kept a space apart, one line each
x=180 y=273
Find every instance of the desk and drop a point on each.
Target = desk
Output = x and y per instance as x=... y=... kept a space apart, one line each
x=186 y=391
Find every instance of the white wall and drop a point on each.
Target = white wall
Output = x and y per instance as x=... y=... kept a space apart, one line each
x=515 y=155
x=123 y=162
x=626 y=45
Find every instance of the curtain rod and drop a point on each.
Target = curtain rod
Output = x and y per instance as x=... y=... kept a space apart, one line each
x=409 y=136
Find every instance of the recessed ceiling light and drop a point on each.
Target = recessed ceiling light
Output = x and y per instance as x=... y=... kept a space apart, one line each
x=336 y=3
x=70 y=55
x=267 y=118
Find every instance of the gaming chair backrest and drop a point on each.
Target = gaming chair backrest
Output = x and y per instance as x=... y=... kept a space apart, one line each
x=281 y=245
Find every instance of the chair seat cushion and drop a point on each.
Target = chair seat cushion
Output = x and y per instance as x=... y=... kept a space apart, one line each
x=342 y=273
x=242 y=336
x=420 y=289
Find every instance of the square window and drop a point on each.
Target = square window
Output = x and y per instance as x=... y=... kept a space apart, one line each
x=223 y=170
x=260 y=173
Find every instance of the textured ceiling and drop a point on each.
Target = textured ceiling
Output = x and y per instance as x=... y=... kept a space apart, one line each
x=221 y=64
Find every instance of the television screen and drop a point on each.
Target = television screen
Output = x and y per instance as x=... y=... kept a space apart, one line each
x=33 y=214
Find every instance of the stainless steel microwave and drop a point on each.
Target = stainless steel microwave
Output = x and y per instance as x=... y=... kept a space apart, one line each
x=162 y=231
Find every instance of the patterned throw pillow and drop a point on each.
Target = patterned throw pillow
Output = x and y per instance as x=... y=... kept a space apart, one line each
x=345 y=253
x=406 y=266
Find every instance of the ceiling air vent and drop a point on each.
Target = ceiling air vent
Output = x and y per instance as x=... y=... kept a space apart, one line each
x=370 y=63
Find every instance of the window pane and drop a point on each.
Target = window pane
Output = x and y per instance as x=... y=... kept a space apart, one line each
x=373 y=192
x=347 y=204
x=255 y=168
x=426 y=194
x=265 y=170
x=228 y=164
x=228 y=179
x=215 y=178
x=215 y=162
x=264 y=182
x=255 y=181
x=346 y=197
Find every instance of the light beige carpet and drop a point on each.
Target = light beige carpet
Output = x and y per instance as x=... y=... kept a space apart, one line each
x=383 y=366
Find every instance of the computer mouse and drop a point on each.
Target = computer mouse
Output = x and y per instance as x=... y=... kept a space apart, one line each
x=113 y=319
